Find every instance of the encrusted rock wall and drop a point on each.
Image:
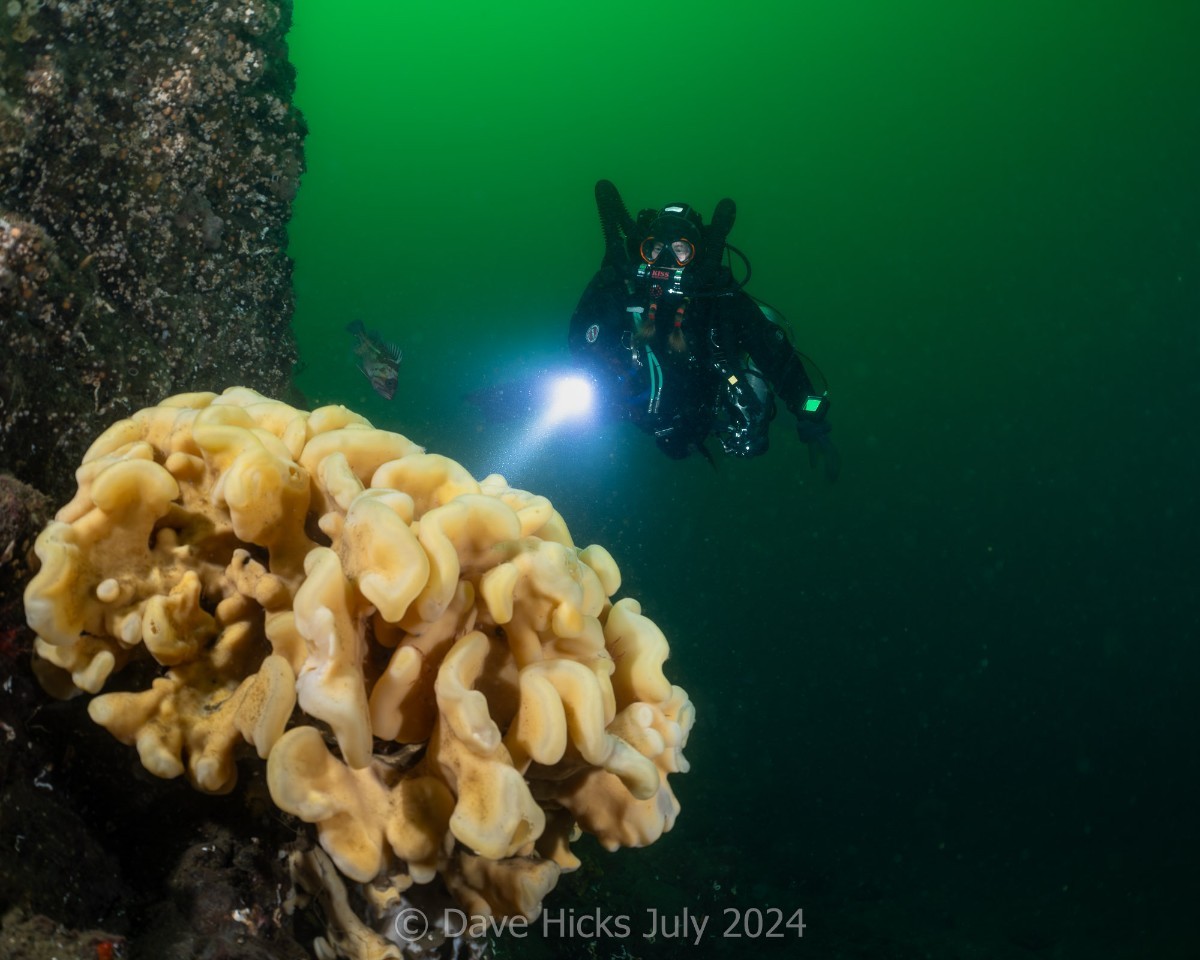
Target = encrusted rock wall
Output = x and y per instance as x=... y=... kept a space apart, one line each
x=149 y=156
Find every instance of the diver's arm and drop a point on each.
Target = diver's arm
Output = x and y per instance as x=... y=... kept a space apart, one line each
x=768 y=346
x=597 y=325
x=600 y=343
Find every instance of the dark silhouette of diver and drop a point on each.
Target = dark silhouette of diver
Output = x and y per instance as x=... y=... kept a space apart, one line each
x=679 y=348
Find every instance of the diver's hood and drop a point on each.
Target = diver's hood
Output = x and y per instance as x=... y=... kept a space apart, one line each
x=677 y=221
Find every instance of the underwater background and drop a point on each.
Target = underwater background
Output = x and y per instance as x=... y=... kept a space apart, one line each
x=947 y=705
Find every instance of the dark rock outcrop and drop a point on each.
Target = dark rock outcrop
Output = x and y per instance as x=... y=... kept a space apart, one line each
x=149 y=156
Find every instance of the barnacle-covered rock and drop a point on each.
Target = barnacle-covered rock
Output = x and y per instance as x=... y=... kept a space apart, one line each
x=149 y=156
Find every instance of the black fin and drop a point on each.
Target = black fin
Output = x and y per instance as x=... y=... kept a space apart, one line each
x=615 y=223
x=714 y=239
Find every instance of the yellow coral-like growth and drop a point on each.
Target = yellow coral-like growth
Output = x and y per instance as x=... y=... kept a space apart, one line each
x=469 y=696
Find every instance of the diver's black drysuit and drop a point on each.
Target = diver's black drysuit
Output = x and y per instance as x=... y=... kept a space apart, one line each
x=687 y=358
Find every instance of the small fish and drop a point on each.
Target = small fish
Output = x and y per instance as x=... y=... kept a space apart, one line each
x=378 y=360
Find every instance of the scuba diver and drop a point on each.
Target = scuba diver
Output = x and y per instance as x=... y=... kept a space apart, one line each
x=679 y=348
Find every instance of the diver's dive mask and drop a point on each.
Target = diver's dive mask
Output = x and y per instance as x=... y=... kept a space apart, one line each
x=673 y=239
x=668 y=253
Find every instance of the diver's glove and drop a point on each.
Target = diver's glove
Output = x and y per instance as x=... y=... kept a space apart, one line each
x=815 y=434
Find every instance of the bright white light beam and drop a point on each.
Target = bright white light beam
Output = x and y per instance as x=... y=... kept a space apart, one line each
x=566 y=397
x=571 y=397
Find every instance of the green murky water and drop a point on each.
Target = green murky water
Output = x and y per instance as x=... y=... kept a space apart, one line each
x=946 y=705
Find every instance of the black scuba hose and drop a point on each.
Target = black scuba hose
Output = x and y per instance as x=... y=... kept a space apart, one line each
x=745 y=262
